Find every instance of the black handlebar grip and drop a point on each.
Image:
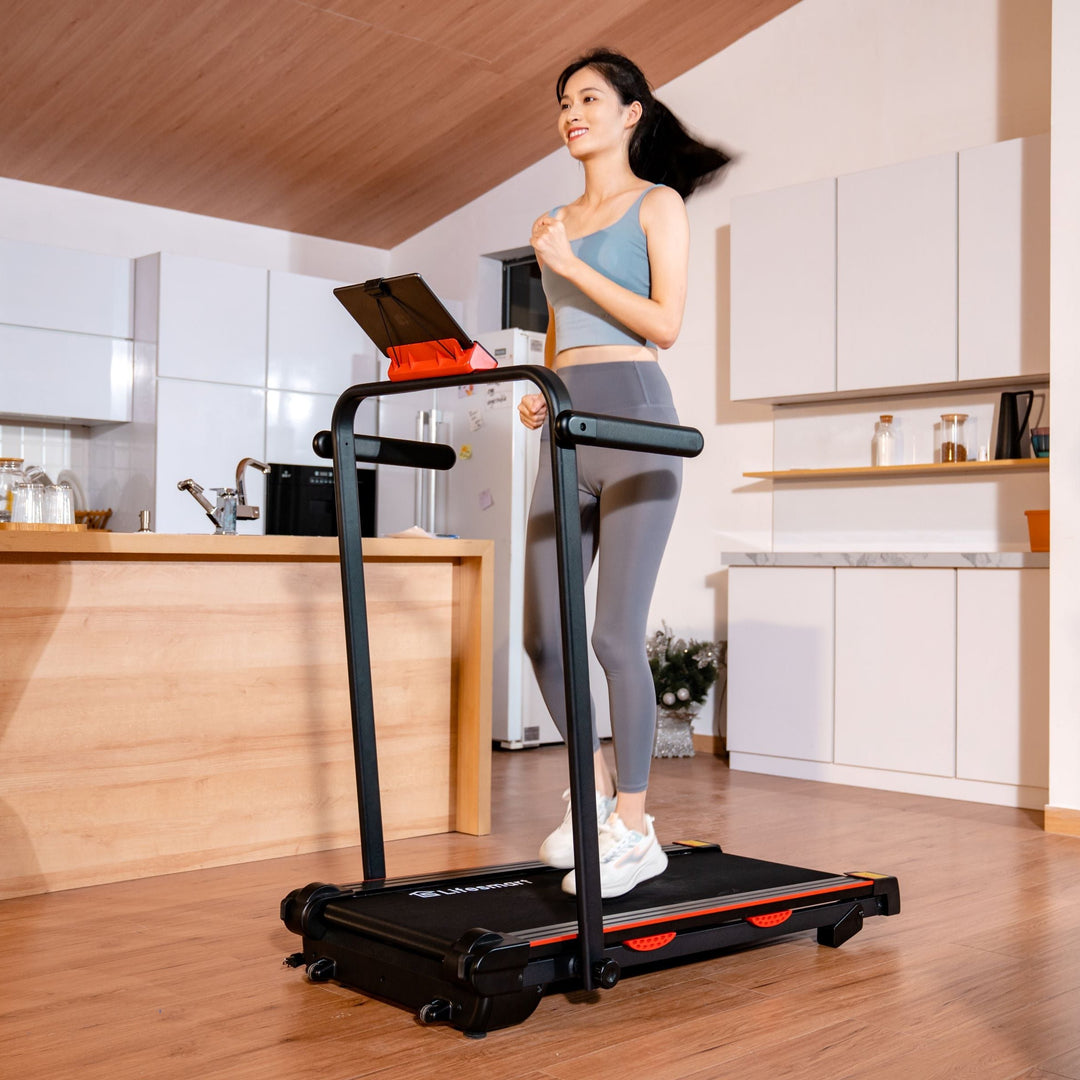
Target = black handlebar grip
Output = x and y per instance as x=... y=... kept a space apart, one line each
x=407 y=452
x=590 y=429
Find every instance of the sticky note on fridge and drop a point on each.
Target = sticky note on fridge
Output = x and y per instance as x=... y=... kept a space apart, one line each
x=476 y=420
x=485 y=500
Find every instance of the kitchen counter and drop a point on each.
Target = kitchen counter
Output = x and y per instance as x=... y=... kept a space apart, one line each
x=170 y=702
x=976 y=560
x=100 y=543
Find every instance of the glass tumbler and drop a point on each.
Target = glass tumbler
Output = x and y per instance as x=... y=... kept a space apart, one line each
x=59 y=505
x=27 y=503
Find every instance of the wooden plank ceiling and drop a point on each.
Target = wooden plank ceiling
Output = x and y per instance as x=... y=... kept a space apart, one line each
x=359 y=120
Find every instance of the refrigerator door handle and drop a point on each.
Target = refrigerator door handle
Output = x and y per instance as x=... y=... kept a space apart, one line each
x=424 y=482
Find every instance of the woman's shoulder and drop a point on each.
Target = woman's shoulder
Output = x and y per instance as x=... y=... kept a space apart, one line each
x=661 y=204
x=661 y=194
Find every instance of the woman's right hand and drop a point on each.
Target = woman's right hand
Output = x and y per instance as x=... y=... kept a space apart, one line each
x=532 y=410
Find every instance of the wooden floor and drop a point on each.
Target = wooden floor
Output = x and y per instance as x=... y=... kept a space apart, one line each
x=181 y=976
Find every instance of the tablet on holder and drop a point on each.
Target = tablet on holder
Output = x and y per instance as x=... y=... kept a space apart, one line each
x=409 y=324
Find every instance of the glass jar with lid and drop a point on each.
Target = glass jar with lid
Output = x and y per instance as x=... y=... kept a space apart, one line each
x=954 y=446
x=10 y=474
x=885 y=447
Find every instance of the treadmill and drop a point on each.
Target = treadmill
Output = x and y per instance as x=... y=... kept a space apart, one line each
x=478 y=949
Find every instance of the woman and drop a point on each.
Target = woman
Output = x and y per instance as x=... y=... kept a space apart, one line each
x=614 y=267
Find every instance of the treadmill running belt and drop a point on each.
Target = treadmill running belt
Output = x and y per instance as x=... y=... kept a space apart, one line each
x=527 y=900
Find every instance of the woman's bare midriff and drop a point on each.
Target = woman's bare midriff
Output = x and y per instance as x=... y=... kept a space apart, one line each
x=604 y=354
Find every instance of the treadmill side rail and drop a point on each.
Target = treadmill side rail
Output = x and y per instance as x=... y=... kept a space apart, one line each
x=886 y=889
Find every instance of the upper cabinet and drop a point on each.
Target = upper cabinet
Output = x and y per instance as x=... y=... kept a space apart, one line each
x=207 y=318
x=896 y=275
x=783 y=292
x=1005 y=259
x=65 y=334
x=52 y=288
x=313 y=345
x=936 y=272
x=63 y=377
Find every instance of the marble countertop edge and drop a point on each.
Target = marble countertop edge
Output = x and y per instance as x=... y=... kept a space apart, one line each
x=967 y=560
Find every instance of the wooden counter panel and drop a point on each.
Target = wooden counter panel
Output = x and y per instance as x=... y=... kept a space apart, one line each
x=166 y=715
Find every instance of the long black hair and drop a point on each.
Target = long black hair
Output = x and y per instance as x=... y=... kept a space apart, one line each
x=661 y=149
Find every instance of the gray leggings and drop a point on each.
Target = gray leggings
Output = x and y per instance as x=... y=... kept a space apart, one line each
x=627 y=502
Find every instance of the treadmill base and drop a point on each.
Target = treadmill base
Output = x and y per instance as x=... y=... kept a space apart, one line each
x=392 y=939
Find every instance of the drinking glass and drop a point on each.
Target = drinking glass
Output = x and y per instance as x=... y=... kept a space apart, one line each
x=27 y=503
x=59 y=505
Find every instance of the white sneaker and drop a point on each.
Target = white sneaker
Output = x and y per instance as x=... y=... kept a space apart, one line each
x=558 y=849
x=626 y=858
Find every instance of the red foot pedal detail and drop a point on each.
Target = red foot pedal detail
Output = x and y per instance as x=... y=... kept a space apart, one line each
x=648 y=944
x=774 y=918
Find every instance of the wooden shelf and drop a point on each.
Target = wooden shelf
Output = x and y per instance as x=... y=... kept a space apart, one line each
x=883 y=472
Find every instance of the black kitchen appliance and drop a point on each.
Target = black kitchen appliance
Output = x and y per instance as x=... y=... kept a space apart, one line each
x=300 y=500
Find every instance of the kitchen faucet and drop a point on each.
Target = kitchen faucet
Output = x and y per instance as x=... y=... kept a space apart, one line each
x=232 y=503
x=243 y=511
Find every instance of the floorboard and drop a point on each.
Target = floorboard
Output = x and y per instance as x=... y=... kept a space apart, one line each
x=979 y=977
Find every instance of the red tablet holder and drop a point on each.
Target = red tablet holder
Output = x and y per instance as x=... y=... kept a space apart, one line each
x=409 y=324
x=429 y=359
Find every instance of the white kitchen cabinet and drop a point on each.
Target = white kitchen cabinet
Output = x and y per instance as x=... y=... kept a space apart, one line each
x=207 y=318
x=292 y=419
x=783 y=292
x=203 y=431
x=780 y=662
x=896 y=289
x=896 y=669
x=54 y=288
x=1003 y=676
x=1004 y=268
x=313 y=344
x=63 y=376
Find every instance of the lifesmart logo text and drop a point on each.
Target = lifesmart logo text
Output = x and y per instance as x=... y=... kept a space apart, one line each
x=432 y=894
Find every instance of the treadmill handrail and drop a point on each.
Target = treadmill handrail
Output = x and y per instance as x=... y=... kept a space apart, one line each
x=383 y=451
x=593 y=429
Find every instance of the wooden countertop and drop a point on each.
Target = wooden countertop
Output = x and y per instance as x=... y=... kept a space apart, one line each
x=97 y=543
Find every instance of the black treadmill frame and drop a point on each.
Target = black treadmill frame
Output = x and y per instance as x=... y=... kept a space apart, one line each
x=483 y=979
x=567 y=428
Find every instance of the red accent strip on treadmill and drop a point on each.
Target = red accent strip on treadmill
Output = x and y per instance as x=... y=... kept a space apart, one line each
x=649 y=944
x=707 y=911
x=429 y=359
x=775 y=918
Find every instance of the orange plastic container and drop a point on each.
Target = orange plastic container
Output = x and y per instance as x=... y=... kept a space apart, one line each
x=1038 y=529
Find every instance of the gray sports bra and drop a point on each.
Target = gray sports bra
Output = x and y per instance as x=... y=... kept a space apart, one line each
x=619 y=252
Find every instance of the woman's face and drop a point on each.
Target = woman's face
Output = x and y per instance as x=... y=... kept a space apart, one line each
x=592 y=118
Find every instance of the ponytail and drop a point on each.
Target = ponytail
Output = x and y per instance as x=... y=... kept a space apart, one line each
x=666 y=153
x=661 y=149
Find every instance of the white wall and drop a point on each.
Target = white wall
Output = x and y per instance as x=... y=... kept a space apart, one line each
x=74 y=219
x=829 y=87
x=1065 y=375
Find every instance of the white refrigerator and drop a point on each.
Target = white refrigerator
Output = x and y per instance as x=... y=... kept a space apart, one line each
x=485 y=495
